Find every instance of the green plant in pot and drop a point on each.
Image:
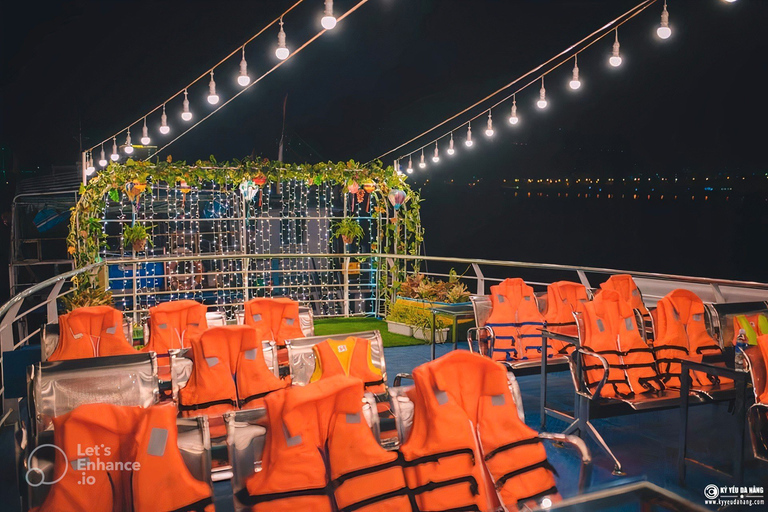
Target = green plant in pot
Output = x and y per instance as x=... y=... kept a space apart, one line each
x=137 y=236
x=348 y=229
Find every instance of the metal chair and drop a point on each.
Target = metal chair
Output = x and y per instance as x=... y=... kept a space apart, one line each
x=757 y=415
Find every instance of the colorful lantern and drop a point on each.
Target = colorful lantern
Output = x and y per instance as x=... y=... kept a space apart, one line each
x=249 y=189
x=369 y=187
x=260 y=180
x=353 y=187
x=396 y=197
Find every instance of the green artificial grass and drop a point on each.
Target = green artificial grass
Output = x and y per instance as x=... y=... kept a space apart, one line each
x=327 y=326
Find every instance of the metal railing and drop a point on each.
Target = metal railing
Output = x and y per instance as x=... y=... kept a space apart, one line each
x=343 y=294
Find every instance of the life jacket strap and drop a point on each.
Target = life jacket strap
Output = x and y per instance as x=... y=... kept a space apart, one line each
x=251 y=398
x=550 y=491
x=541 y=464
x=336 y=482
x=373 y=383
x=437 y=456
x=670 y=347
x=510 y=446
x=375 y=499
x=560 y=324
x=708 y=347
x=254 y=499
x=198 y=506
x=431 y=486
x=204 y=405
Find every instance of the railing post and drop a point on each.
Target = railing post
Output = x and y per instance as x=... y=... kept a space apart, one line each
x=345 y=274
x=52 y=311
x=6 y=345
x=480 y=279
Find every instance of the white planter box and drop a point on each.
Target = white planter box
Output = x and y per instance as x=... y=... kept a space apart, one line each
x=398 y=328
x=441 y=335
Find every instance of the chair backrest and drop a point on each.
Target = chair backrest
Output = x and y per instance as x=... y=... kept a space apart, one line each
x=306 y=320
x=723 y=318
x=301 y=357
x=482 y=306
x=57 y=387
x=51 y=334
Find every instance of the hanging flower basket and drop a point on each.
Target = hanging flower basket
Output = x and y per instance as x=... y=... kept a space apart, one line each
x=139 y=245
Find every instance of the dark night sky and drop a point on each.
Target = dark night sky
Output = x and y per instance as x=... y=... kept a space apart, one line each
x=695 y=103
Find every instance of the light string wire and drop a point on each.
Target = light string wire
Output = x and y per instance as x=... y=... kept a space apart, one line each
x=203 y=75
x=254 y=82
x=606 y=29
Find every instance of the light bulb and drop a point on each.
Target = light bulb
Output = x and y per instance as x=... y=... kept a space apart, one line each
x=243 y=79
x=422 y=163
x=164 y=128
x=469 y=142
x=115 y=156
x=615 y=59
x=213 y=98
x=436 y=156
x=329 y=20
x=575 y=83
x=730 y=1
x=513 y=119
x=409 y=169
x=489 y=129
x=664 y=31
x=103 y=160
x=186 y=115
x=542 y=103
x=145 y=140
x=128 y=144
x=282 y=50
x=451 y=149
x=89 y=168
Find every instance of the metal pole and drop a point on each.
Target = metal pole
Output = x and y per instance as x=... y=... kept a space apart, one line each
x=84 y=164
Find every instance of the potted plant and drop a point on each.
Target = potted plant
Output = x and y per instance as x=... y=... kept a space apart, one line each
x=421 y=321
x=399 y=318
x=348 y=229
x=138 y=236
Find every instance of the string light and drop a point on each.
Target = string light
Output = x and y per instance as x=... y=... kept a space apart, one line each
x=513 y=119
x=128 y=145
x=615 y=59
x=329 y=20
x=115 y=156
x=213 y=98
x=186 y=115
x=164 y=128
x=422 y=163
x=542 y=103
x=103 y=160
x=575 y=83
x=664 y=31
x=282 y=51
x=145 y=140
x=243 y=79
x=469 y=142
x=436 y=156
x=89 y=168
x=409 y=169
x=451 y=149
x=489 y=130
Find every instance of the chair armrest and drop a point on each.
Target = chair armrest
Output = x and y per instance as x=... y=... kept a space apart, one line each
x=578 y=381
x=585 y=472
x=473 y=334
x=399 y=377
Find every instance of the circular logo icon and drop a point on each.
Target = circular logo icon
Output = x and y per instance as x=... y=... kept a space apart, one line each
x=711 y=491
x=39 y=478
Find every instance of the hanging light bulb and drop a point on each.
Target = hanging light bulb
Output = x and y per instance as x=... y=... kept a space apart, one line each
x=397 y=167
x=489 y=129
x=243 y=79
x=164 y=128
x=730 y=1
x=115 y=156
x=103 y=160
x=469 y=142
x=185 y=113
x=409 y=169
x=145 y=140
x=575 y=83
x=451 y=149
x=513 y=119
x=329 y=20
x=282 y=51
x=542 y=103
x=128 y=144
x=422 y=163
x=615 y=59
x=213 y=98
x=89 y=168
x=436 y=156
x=664 y=31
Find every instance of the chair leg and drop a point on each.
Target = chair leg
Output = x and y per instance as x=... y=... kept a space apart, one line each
x=573 y=427
x=595 y=435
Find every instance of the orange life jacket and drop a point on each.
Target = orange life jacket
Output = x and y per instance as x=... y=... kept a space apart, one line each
x=516 y=322
x=611 y=331
x=628 y=291
x=91 y=332
x=277 y=316
x=124 y=437
x=318 y=423
x=681 y=333
x=445 y=466
x=351 y=357
x=175 y=324
x=218 y=356
x=563 y=298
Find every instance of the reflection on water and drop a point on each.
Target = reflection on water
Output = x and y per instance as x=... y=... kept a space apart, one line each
x=713 y=233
